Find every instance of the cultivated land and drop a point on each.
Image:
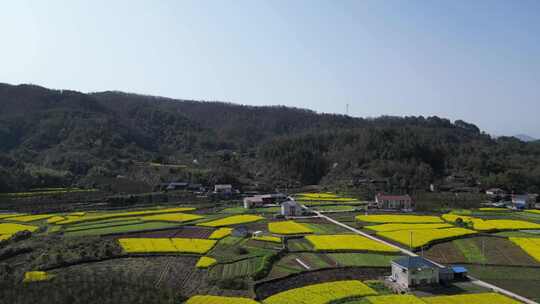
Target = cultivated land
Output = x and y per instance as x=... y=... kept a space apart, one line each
x=191 y=252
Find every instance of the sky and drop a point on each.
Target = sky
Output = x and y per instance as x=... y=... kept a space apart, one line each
x=473 y=60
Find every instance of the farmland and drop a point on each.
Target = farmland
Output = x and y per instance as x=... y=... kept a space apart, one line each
x=199 y=253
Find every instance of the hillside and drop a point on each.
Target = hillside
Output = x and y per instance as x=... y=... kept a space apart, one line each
x=62 y=138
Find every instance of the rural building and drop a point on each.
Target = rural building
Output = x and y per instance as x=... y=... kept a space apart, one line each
x=398 y=202
x=495 y=192
x=523 y=201
x=416 y=271
x=257 y=201
x=177 y=186
x=223 y=189
x=253 y=202
x=291 y=208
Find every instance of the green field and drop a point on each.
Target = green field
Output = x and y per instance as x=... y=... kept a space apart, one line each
x=123 y=228
x=362 y=259
x=470 y=250
x=243 y=268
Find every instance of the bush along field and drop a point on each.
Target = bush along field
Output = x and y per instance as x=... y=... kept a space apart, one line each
x=186 y=253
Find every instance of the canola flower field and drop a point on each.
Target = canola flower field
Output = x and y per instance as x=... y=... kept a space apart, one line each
x=288 y=227
x=233 y=220
x=347 y=242
x=219 y=300
x=36 y=276
x=9 y=229
x=479 y=298
x=489 y=225
x=165 y=245
x=529 y=245
x=323 y=293
x=30 y=218
x=397 y=227
x=88 y=217
x=220 y=233
x=394 y=299
x=205 y=262
x=267 y=238
x=422 y=237
x=398 y=218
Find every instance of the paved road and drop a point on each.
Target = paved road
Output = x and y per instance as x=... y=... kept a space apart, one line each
x=410 y=253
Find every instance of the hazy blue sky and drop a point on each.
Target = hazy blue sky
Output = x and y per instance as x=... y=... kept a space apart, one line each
x=473 y=60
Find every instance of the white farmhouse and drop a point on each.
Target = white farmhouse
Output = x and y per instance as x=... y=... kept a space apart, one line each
x=291 y=208
x=410 y=272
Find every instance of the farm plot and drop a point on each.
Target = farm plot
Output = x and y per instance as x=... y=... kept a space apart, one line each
x=239 y=269
x=8 y=215
x=418 y=238
x=120 y=229
x=530 y=245
x=30 y=218
x=219 y=300
x=8 y=229
x=397 y=218
x=288 y=228
x=521 y=280
x=398 y=227
x=174 y=245
x=489 y=225
x=88 y=217
x=220 y=233
x=394 y=299
x=232 y=220
x=321 y=293
x=172 y=217
x=480 y=298
x=205 y=262
x=191 y=232
x=361 y=259
x=346 y=242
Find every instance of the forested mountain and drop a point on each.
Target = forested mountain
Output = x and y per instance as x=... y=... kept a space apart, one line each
x=58 y=138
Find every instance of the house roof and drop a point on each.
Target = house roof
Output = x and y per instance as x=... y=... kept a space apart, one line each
x=459 y=269
x=414 y=262
x=393 y=197
x=290 y=203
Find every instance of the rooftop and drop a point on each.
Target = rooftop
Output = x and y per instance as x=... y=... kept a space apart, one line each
x=414 y=262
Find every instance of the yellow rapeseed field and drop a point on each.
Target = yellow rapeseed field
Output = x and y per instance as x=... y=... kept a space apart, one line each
x=36 y=276
x=8 y=215
x=9 y=228
x=322 y=293
x=398 y=218
x=172 y=217
x=347 y=242
x=266 y=238
x=423 y=237
x=4 y=237
x=233 y=220
x=487 y=225
x=529 y=245
x=395 y=299
x=220 y=233
x=164 y=245
x=219 y=300
x=103 y=216
x=288 y=227
x=478 y=298
x=397 y=227
x=493 y=209
x=205 y=262
x=55 y=219
x=30 y=218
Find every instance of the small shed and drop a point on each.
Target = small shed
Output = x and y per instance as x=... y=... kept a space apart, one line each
x=460 y=272
x=291 y=208
x=225 y=189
